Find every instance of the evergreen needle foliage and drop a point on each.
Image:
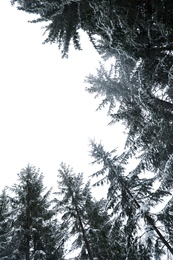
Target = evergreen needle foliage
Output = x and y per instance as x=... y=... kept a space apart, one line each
x=138 y=90
x=34 y=233
x=84 y=218
x=131 y=199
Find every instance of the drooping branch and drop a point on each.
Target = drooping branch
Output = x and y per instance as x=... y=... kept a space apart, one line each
x=149 y=219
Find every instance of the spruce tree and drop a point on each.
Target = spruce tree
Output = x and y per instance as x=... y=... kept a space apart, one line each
x=146 y=114
x=100 y=230
x=137 y=34
x=84 y=218
x=132 y=199
x=72 y=205
x=6 y=222
x=36 y=233
x=136 y=29
x=138 y=89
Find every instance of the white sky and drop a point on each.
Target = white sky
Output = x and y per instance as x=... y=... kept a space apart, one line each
x=46 y=116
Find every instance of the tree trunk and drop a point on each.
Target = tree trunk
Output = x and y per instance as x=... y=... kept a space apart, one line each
x=83 y=231
x=27 y=247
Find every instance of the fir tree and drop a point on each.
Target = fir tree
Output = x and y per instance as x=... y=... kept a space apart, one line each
x=136 y=29
x=6 y=222
x=139 y=36
x=146 y=114
x=132 y=199
x=36 y=233
x=72 y=205
x=138 y=89
x=100 y=230
x=84 y=218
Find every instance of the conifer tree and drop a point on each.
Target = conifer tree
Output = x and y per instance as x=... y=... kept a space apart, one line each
x=83 y=218
x=100 y=230
x=132 y=199
x=36 y=233
x=6 y=222
x=146 y=115
x=137 y=34
x=72 y=205
x=138 y=89
x=131 y=29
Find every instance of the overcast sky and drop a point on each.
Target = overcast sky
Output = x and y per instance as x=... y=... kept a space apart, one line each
x=46 y=116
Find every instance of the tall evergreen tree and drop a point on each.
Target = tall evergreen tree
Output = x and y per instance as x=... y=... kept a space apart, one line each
x=146 y=114
x=137 y=34
x=132 y=29
x=132 y=199
x=36 y=233
x=107 y=240
x=72 y=205
x=85 y=219
x=138 y=89
x=6 y=221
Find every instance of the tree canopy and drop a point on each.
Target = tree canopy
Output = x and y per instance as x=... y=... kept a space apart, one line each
x=138 y=34
x=35 y=233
